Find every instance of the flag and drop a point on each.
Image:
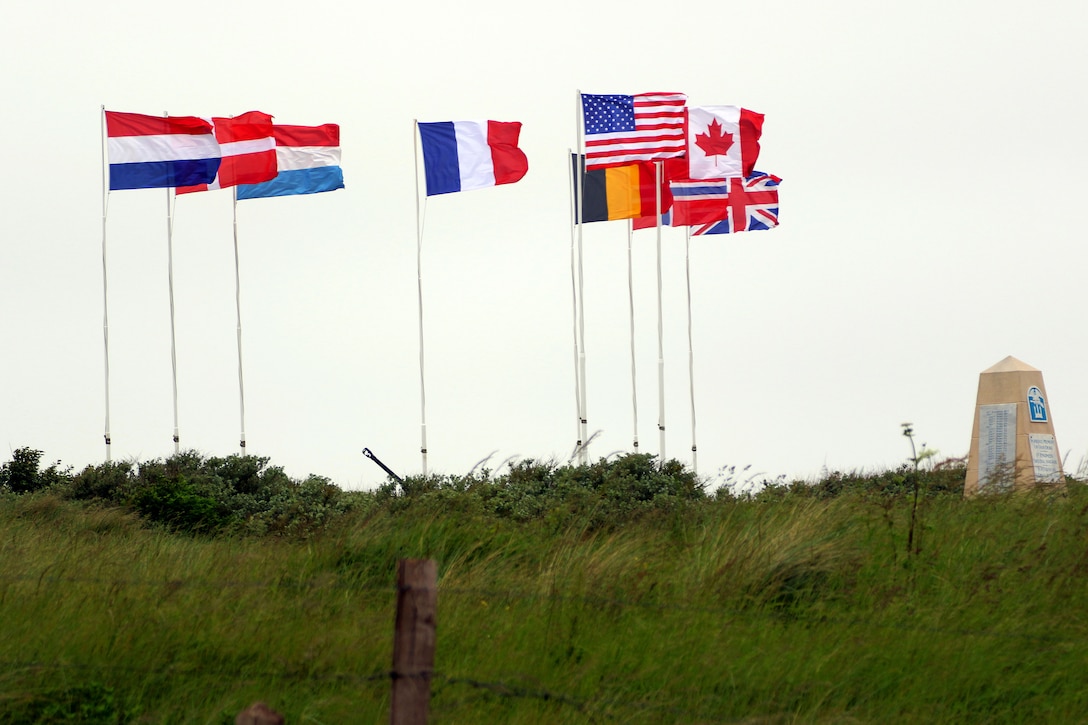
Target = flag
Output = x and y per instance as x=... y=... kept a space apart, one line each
x=465 y=155
x=650 y=222
x=620 y=192
x=724 y=206
x=248 y=149
x=307 y=162
x=676 y=168
x=149 y=152
x=722 y=141
x=624 y=129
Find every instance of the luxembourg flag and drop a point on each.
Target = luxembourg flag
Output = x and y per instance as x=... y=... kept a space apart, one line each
x=464 y=155
x=150 y=152
x=308 y=162
x=248 y=148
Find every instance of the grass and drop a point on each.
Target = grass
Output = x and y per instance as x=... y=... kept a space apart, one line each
x=802 y=604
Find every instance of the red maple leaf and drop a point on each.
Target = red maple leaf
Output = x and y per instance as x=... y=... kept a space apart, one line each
x=714 y=142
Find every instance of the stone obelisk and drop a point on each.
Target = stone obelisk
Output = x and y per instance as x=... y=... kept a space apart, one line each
x=1012 y=441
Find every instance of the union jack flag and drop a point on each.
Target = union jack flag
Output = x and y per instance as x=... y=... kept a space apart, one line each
x=724 y=206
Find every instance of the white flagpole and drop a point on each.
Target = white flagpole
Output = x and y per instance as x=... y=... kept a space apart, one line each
x=170 y=274
x=170 y=277
x=691 y=351
x=575 y=217
x=238 y=317
x=631 y=306
x=584 y=457
x=419 y=282
x=105 y=296
x=660 y=328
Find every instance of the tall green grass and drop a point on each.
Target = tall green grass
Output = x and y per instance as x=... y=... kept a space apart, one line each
x=801 y=604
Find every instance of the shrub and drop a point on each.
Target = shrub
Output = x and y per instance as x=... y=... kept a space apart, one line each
x=601 y=495
x=106 y=482
x=179 y=505
x=943 y=479
x=235 y=494
x=20 y=474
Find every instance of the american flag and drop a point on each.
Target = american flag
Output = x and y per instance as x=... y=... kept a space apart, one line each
x=724 y=206
x=624 y=129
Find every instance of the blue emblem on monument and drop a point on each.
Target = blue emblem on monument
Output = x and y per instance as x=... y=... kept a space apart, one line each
x=1036 y=405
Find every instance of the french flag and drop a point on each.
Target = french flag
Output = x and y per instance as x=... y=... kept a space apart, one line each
x=307 y=162
x=149 y=152
x=248 y=149
x=464 y=155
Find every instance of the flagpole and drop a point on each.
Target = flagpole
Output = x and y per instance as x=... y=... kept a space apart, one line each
x=574 y=219
x=105 y=296
x=419 y=283
x=170 y=277
x=584 y=431
x=691 y=351
x=173 y=345
x=631 y=306
x=660 y=327
x=238 y=317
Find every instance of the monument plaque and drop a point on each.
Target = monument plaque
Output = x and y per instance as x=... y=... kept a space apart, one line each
x=1012 y=440
x=1044 y=458
x=996 y=445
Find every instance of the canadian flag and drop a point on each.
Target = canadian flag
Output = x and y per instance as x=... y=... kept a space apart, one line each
x=723 y=141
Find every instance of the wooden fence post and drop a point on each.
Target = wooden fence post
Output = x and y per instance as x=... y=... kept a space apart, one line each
x=413 y=643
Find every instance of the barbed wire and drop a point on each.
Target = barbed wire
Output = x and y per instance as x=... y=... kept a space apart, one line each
x=504 y=689
x=284 y=583
x=604 y=708
x=12 y=666
x=498 y=688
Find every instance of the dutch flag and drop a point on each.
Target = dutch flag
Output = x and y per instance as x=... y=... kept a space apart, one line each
x=149 y=152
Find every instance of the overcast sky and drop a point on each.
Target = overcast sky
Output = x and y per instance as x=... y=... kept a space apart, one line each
x=932 y=156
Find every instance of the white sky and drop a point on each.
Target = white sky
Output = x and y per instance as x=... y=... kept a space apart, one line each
x=932 y=156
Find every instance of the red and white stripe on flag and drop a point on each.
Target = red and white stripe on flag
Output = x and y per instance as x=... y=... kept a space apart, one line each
x=248 y=147
x=623 y=129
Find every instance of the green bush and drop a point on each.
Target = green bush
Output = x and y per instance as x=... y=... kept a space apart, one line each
x=245 y=495
x=20 y=474
x=181 y=506
x=236 y=494
x=104 y=482
x=599 y=496
x=943 y=479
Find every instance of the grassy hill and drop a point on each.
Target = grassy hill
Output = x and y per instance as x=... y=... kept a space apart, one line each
x=180 y=591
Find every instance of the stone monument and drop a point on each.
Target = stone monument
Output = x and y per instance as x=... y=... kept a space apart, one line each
x=1012 y=441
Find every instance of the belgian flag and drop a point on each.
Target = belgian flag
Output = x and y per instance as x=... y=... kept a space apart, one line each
x=619 y=192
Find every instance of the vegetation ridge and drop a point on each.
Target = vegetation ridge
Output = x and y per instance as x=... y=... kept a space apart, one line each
x=181 y=590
